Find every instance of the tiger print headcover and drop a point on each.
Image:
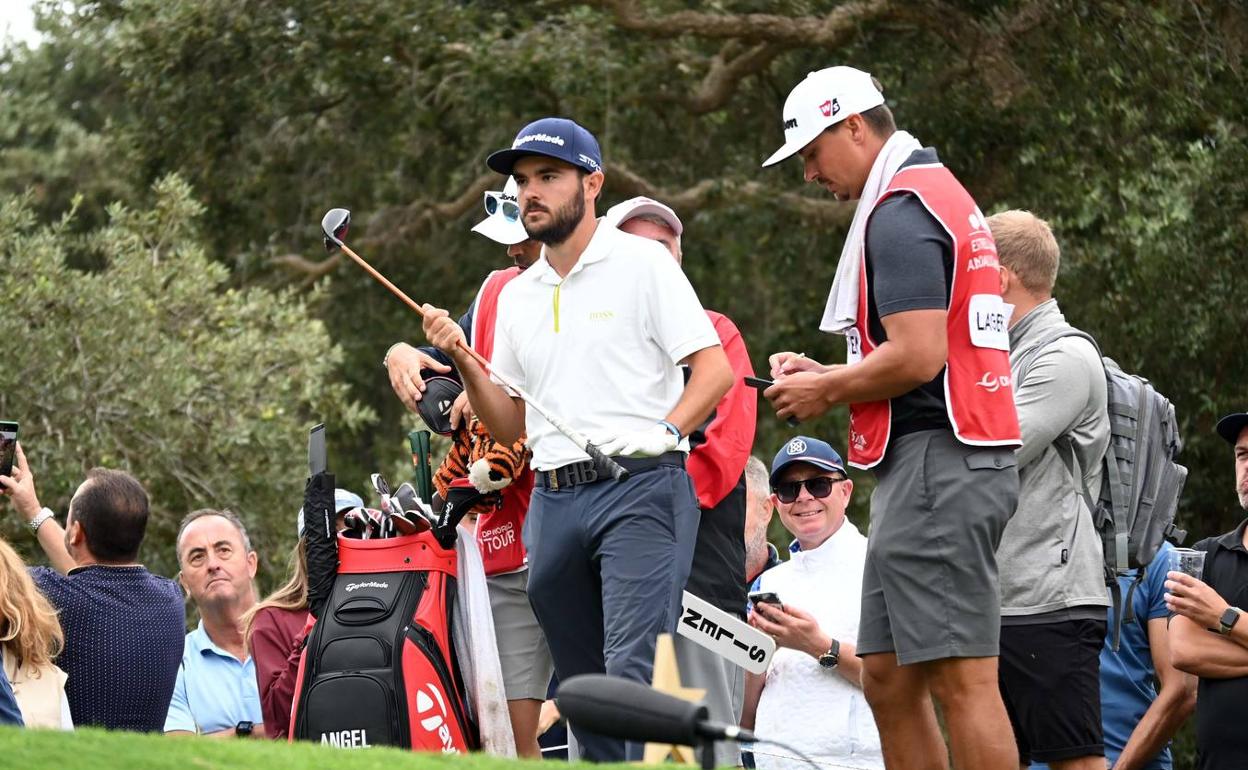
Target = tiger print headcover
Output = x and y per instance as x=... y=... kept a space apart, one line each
x=489 y=465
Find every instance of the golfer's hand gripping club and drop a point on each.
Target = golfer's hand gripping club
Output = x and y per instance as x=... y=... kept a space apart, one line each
x=334 y=226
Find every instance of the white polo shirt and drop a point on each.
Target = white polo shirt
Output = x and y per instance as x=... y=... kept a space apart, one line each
x=599 y=347
x=803 y=704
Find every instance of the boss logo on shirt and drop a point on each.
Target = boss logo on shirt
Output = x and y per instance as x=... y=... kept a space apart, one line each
x=601 y=315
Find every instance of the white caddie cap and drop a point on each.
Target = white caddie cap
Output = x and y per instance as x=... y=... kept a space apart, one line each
x=824 y=98
x=498 y=227
x=635 y=207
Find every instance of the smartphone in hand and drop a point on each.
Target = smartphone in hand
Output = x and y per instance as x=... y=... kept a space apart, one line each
x=765 y=597
x=8 y=447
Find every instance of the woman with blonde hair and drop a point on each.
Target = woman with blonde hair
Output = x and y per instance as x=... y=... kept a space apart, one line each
x=30 y=638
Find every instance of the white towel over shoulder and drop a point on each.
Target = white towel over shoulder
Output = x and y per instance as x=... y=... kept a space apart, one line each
x=841 y=312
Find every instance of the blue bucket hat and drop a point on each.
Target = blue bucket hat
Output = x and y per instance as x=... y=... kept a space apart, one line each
x=555 y=138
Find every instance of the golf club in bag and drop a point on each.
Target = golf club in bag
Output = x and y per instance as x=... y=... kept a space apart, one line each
x=380 y=666
x=334 y=226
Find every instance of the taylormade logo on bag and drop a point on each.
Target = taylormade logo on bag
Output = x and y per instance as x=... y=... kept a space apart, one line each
x=346 y=739
x=537 y=138
x=434 y=723
x=371 y=584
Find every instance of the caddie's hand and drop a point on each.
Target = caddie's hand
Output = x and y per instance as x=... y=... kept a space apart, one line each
x=790 y=627
x=786 y=363
x=461 y=410
x=1194 y=599
x=651 y=442
x=441 y=330
x=802 y=395
x=20 y=487
x=404 y=364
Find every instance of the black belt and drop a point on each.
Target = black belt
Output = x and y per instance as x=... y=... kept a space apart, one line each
x=584 y=472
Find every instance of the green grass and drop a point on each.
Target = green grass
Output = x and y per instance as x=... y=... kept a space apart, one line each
x=102 y=750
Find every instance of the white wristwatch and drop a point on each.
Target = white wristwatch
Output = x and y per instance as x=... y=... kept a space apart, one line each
x=37 y=522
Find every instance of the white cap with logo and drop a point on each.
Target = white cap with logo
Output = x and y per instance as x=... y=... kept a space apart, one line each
x=503 y=225
x=635 y=207
x=824 y=98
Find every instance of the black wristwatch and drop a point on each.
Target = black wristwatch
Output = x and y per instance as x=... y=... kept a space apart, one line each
x=1228 y=620
x=244 y=729
x=832 y=657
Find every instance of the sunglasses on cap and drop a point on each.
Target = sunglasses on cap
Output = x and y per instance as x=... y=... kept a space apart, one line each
x=819 y=487
x=496 y=200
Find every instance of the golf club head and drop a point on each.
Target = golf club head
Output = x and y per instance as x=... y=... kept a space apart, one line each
x=376 y=522
x=406 y=497
x=410 y=523
x=334 y=225
x=355 y=524
x=380 y=485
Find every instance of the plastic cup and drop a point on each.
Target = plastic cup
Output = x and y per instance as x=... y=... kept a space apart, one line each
x=1189 y=562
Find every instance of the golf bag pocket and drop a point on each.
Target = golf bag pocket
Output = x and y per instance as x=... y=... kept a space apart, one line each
x=379 y=667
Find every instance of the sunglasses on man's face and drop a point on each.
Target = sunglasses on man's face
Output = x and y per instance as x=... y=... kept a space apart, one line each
x=496 y=200
x=819 y=487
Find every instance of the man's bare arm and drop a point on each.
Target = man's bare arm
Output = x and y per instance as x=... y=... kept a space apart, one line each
x=1175 y=702
x=709 y=379
x=1194 y=650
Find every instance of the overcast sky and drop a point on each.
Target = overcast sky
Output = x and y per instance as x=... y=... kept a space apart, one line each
x=17 y=21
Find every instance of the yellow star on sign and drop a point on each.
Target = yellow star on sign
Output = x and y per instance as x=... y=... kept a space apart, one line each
x=667 y=680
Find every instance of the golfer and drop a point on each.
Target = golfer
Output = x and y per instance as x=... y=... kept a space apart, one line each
x=597 y=328
x=917 y=297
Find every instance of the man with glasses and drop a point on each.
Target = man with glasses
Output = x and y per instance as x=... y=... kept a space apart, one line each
x=522 y=650
x=811 y=697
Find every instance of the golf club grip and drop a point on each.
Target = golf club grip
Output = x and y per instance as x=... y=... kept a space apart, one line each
x=604 y=463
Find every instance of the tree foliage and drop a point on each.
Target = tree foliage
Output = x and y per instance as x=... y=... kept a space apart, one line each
x=154 y=364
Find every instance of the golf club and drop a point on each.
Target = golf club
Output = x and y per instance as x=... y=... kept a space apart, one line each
x=334 y=225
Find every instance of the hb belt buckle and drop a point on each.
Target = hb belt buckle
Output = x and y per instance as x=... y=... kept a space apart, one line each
x=583 y=472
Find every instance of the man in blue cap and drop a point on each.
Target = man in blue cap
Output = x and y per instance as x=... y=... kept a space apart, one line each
x=596 y=328
x=812 y=611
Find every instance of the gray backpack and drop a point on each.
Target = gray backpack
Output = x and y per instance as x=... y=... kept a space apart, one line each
x=1140 y=480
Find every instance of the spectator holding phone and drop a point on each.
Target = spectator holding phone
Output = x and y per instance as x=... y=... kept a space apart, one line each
x=123 y=625
x=811 y=697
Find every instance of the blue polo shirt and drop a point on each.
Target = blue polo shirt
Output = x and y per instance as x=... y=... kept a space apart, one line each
x=214 y=691
x=1128 y=675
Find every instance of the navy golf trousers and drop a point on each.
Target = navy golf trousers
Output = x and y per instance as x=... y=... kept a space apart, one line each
x=607 y=565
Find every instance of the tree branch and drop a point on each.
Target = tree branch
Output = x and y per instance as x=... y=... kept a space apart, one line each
x=400 y=223
x=789 y=31
x=709 y=192
x=720 y=82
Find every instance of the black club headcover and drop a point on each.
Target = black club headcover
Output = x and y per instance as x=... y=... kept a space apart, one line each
x=320 y=540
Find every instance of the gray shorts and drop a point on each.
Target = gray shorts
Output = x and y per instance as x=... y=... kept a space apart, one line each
x=929 y=588
x=522 y=650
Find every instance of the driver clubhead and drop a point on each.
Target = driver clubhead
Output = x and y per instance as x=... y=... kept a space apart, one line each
x=334 y=226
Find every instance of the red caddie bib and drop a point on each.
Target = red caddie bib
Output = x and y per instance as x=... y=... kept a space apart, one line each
x=978 y=393
x=498 y=532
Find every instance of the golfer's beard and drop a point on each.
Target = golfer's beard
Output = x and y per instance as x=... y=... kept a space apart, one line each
x=563 y=221
x=1243 y=497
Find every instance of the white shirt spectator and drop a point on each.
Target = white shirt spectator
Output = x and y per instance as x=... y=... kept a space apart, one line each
x=803 y=704
x=589 y=344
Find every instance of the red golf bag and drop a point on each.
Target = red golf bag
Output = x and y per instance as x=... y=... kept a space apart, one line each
x=379 y=667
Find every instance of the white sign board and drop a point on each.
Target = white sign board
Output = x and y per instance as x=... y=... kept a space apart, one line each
x=725 y=635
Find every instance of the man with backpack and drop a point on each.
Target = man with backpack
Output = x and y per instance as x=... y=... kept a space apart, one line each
x=1053 y=595
x=1217 y=603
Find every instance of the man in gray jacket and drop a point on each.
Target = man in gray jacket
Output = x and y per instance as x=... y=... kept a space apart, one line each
x=1053 y=595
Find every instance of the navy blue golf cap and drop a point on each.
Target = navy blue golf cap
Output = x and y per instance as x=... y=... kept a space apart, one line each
x=804 y=449
x=555 y=138
x=1230 y=426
